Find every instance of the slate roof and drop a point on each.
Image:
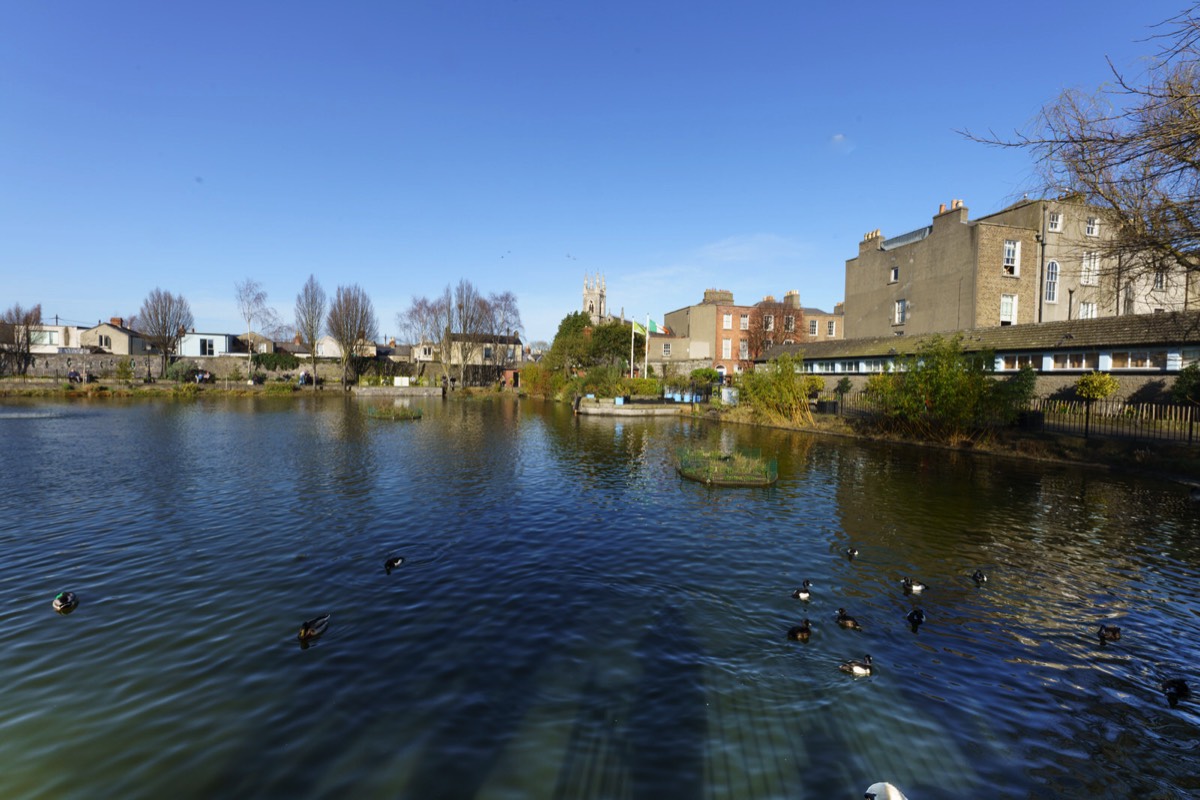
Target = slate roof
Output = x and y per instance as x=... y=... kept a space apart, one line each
x=1140 y=330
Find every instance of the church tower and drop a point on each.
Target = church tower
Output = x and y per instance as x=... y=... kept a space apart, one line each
x=595 y=303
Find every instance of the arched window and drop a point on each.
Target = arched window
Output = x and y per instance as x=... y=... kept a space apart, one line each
x=1052 y=282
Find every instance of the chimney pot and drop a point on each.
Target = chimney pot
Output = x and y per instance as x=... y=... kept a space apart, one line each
x=941 y=208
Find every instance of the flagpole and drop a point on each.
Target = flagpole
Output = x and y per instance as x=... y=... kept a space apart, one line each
x=632 y=333
x=646 y=352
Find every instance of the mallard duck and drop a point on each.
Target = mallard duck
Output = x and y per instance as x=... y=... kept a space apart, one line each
x=1175 y=689
x=915 y=618
x=392 y=563
x=800 y=633
x=1108 y=633
x=979 y=577
x=803 y=592
x=313 y=628
x=913 y=587
x=857 y=667
x=847 y=621
x=883 y=791
x=65 y=602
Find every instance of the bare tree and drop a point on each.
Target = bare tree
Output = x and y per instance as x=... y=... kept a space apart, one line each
x=164 y=318
x=16 y=336
x=765 y=327
x=505 y=328
x=351 y=323
x=1132 y=149
x=471 y=322
x=310 y=319
x=252 y=305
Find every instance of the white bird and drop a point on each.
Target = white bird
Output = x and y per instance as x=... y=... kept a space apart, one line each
x=883 y=791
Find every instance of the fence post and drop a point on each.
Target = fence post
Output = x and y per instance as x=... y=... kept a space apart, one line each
x=1087 y=419
x=1191 y=420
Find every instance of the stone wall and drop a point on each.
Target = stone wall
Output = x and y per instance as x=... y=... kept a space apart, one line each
x=1145 y=388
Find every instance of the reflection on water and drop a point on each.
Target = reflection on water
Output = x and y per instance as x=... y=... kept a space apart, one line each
x=571 y=619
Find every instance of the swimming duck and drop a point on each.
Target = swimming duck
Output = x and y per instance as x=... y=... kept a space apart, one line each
x=847 y=621
x=915 y=618
x=800 y=633
x=392 y=563
x=851 y=553
x=1108 y=633
x=803 y=592
x=857 y=667
x=65 y=602
x=883 y=791
x=913 y=587
x=979 y=577
x=313 y=628
x=1175 y=689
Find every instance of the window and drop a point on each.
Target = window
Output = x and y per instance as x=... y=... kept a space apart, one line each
x=1055 y=221
x=1012 y=257
x=1090 y=275
x=1052 y=282
x=726 y=347
x=744 y=322
x=1021 y=361
x=666 y=349
x=1190 y=356
x=901 y=312
x=206 y=347
x=105 y=341
x=895 y=275
x=743 y=349
x=768 y=322
x=1087 y=310
x=1008 y=309
x=1093 y=227
x=1160 y=281
x=768 y=343
x=728 y=322
x=789 y=323
x=427 y=351
x=831 y=328
x=1076 y=360
x=487 y=352
x=1139 y=360
x=812 y=327
x=43 y=337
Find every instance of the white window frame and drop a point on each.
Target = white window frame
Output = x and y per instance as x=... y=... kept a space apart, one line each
x=727 y=348
x=727 y=322
x=1052 y=281
x=1087 y=309
x=744 y=322
x=1012 y=257
x=900 y=312
x=812 y=327
x=1160 y=281
x=666 y=351
x=894 y=275
x=743 y=349
x=1089 y=272
x=1093 y=227
x=207 y=347
x=1009 y=300
x=789 y=323
x=1055 y=222
x=768 y=322
x=831 y=327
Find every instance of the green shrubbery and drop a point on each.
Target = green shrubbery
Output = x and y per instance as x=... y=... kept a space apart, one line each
x=945 y=394
x=1096 y=386
x=779 y=390
x=1186 y=388
x=275 y=362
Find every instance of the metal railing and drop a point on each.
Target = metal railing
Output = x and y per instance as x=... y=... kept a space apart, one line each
x=1171 y=422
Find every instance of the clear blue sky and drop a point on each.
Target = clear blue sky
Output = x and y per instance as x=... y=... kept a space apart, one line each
x=671 y=146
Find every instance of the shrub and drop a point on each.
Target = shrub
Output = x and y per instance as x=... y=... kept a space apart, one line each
x=181 y=371
x=778 y=391
x=1186 y=388
x=1096 y=386
x=705 y=375
x=645 y=387
x=276 y=362
x=124 y=371
x=601 y=381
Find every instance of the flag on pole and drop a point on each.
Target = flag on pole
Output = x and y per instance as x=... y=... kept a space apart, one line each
x=654 y=327
x=638 y=328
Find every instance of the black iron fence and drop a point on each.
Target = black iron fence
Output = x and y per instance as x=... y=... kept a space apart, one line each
x=1111 y=418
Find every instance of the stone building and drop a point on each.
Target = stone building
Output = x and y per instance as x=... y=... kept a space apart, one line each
x=1035 y=261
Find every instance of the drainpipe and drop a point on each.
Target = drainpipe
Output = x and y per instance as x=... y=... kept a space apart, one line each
x=1041 y=281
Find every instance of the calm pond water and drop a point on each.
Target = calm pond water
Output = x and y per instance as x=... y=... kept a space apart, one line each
x=572 y=619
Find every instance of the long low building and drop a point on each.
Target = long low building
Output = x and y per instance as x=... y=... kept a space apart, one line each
x=1144 y=352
